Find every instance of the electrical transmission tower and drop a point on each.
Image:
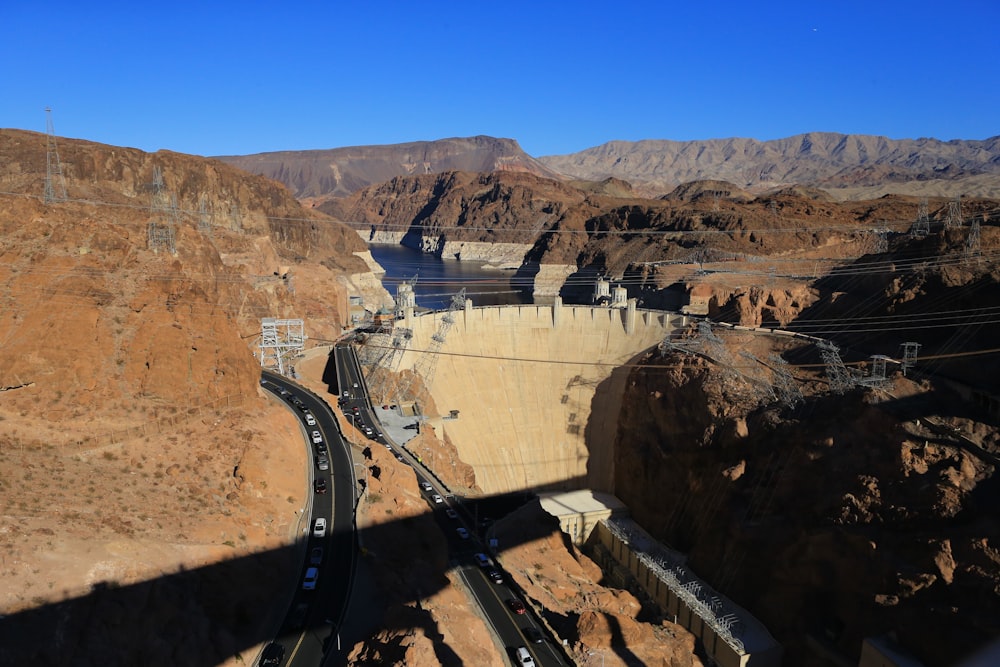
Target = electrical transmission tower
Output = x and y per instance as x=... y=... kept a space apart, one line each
x=380 y=374
x=784 y=384
x=910 y=350
x=841 y=378
x=235 y=218
x=426 y=364
x=879 y=241
x=55 y=184
x=204 y=219
x=972 y=247
x=376 y=345
x=280 y=341
x=772 y=208
x=954 y=217
x=922 y=227
x=877 y=379
x=162 y=218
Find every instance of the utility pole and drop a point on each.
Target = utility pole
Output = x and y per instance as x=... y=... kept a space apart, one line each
x=55 y=184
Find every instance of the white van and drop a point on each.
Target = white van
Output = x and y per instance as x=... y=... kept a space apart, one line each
x=523 y=657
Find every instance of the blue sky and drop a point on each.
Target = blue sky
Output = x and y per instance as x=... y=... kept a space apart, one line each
x=216 y=78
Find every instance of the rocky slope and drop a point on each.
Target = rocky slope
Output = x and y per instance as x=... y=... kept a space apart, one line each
x=850 y=516
x=341 y=171
x=824 y=159
x=143 y=471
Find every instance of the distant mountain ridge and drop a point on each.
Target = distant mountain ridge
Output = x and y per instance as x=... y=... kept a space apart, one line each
x=823 y=159
x=341 y=171
x=852 y=166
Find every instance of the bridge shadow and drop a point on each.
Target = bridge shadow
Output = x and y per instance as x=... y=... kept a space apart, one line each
x=207 y=615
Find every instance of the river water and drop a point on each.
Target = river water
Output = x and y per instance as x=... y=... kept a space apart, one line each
x=438 y=279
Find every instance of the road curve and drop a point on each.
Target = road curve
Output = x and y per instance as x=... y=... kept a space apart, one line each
x=315 y=641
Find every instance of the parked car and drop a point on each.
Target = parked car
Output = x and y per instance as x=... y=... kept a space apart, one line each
x=437 y=499
x=316 y=556
x=316 y=437
x=319 y=527
x=495 y=577
x=450 y=513
x=426 y=487
x=319 y=485
x=310 y=419
x=322 y=463
x=462 y=532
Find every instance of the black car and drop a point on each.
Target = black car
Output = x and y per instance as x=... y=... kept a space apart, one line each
x=297 y=619
x=272 y=655
x=534 y=635
x=319 y=485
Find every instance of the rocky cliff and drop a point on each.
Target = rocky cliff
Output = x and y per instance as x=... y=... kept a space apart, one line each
x=849 y=515
x=143 y=470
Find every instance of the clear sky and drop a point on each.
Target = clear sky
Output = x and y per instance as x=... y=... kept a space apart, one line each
x=219 y=78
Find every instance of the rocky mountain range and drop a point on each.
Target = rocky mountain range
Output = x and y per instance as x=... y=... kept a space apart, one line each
x=821 y=159
x=341 y=171
x=849 y=166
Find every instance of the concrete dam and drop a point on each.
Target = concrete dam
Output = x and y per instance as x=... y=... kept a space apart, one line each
x=537 y=388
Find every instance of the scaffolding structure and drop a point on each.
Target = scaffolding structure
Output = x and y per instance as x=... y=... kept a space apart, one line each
x=55 y=183
x=280 y=341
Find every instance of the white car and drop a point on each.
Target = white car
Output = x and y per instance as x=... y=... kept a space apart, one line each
x=437 y=499
x=309 y=581
x=426 y=487
x=319 y=527
x=310 y=419
x=524 y=658
x=317 y=438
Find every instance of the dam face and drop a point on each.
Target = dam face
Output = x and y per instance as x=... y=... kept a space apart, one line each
x=538 y=388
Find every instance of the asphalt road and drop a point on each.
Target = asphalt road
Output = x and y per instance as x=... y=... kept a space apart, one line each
x=309 y=630
x=508 y=627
